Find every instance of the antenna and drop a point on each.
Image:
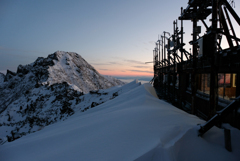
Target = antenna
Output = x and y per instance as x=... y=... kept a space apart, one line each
x=167 y=33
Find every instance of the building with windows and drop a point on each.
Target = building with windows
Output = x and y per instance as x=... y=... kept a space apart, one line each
x=205 y=80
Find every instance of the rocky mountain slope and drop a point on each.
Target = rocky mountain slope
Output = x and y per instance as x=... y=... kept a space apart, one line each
x=2 y=77
x=49 y=90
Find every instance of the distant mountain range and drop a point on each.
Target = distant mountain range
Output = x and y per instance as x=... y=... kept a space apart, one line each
x=48 y=90
x=127 y=79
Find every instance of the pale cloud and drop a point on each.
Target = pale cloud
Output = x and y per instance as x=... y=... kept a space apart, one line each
x=116 y=57
x=142 y=71
x=105 y=69
x=99 y=64
x=107 y=63
x=134 y=61
x=140 y=66
x=127 y=60
x=114 y=63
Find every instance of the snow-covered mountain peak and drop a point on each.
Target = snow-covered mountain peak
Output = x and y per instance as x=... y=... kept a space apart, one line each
x=72 y=68
x=62 y=67
x=59 y=67
x=48 y=90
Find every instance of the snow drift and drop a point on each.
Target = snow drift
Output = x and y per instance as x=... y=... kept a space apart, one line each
x=134 y=126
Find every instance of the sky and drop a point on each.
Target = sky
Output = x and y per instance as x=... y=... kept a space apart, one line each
x=116 y=37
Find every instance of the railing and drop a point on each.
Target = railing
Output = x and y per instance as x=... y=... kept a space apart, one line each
x=215 y=120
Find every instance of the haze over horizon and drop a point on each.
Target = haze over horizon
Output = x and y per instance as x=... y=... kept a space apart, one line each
x=117 y=38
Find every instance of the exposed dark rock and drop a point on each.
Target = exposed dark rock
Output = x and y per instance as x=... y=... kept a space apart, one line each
x=2 y=77
x=22 y=70
x=9 y=75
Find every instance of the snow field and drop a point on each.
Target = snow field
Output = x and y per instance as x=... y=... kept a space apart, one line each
x=134 y=126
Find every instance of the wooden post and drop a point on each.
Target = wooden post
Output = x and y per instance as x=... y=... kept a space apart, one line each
x=227 y=138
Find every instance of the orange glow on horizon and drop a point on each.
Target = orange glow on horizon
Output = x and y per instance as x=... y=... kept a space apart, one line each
x=112 y=73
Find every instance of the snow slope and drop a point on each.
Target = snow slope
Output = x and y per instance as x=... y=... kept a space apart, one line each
x=134 y=126
x=46 y=105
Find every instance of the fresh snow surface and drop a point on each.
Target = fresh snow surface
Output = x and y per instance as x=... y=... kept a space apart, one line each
x=136 y=125
x=49 y=104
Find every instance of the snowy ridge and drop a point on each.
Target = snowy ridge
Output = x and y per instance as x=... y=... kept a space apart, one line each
x=49 y=90
x=134 y=126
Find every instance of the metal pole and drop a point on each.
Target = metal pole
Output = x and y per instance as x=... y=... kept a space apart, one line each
x=159 y=48
x=193 y=74
x=164 y=47
x=174 y=58
x=166 y=64
x=163 y=65
x=180 y=88
x=159 y=73
x=162 y=51
x=214 y=73
x=181 y=37
x=153 y=63
x=169 y=72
